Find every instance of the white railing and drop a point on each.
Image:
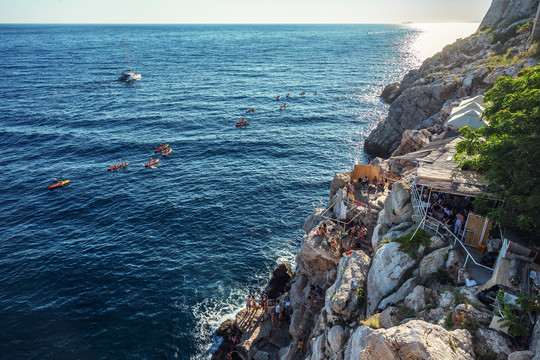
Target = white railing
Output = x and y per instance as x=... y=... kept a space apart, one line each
x=439 y=228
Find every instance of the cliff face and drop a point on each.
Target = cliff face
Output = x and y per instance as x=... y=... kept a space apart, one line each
x=467 y=67
x=501 y=10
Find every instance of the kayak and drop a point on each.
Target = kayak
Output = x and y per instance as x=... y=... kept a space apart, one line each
x=161 y=148
x=116 y=167
x=166 y=151
x=151 y=162
x=242 y=124
x=58 y=184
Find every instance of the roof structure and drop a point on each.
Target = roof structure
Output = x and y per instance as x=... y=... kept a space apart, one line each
x=437 y=169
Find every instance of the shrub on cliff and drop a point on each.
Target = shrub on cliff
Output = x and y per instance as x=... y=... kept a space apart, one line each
x=507 y=151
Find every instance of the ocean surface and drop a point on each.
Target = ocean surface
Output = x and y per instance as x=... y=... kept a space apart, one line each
x=144 y=263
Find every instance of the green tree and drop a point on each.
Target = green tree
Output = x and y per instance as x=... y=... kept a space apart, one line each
x=507 y=152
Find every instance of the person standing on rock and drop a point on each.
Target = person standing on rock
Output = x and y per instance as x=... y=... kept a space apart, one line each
x=248 y=304
x=276 y=316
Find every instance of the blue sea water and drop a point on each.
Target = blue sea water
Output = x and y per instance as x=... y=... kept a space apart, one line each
x=144 y=263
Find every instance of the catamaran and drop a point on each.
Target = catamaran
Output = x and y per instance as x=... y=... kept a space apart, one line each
x=128 y=75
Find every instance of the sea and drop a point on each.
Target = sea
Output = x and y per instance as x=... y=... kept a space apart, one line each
x=146 y=262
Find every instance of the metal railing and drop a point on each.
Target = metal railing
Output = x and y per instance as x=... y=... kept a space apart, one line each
x=439 y=228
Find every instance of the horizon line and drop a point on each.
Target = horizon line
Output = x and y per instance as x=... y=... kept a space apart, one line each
x=238 y=23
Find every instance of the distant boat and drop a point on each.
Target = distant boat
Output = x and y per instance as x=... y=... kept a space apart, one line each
x=128 y=75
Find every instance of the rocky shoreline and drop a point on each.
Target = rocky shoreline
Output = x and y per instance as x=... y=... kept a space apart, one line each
x=384 y=297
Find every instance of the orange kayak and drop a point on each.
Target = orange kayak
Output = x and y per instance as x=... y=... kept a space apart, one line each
x=116 y=167
x=58 y=184
x=151 y=162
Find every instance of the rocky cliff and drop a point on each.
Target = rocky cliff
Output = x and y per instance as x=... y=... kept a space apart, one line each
x=383 y=297
x=508 y=10
x=465 y=68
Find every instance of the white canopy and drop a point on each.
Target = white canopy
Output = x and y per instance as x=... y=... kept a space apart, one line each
x=470 y=118
x=479 y=99
x=464 y=108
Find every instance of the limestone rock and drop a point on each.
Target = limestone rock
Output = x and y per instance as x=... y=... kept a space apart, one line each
x=389 y=317
x=339 y=182
x=434 y=261
x=388 y=265
x=397 y=207
x=414 y=340
x=412 y=140
x=464 y=313
x=380 y=235
x=521 y=355
x=313 y=220
x=336 y=338
x=313 y=258
x=224 y=327
x=436 y=242
x=318 y=352
x=357 y=343
x=417 y=299
x=399 y=295
x=454 y=263
x=469 y=294
x=446 y=300
x=488 y=339
x=390 y=93
x=435 y=316
x=299 y=291
x=508 y=9
x=261 y=355
x=340 y=297
x=280 y=278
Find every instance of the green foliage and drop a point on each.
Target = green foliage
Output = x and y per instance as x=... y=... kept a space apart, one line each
x=361 y=295
x=452 y=346
x=516 y=317
x=448 y=323
x=410 y=245
x=372 y=322
x=440 y=277
x=525 y=28
x=507 y=152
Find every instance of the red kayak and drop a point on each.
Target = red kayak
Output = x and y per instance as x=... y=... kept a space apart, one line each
x=151 y=162
x=167 y=151
x=116 y=167
x=242 y=124
x=158 y=149
x=58 y=184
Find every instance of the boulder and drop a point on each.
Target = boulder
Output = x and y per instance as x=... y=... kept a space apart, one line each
x=397 y=207
x=446 y=300
x=313 y=220
x=357 y=343
x=337 y=337
x=521 y=355
x=399 y=295
x=299 y=291
x=261 y=355
x=469 y=294
x=465 y=313
x=380 y=235
x=436 y=242
x=433 y=261
x=280 y=278
x=390 y=93
x=488 y=339
x=224 y=327
x=412 y=140
x=318 y=348
x=454 y=262
x=415 y=339
x=313 y=259
x=388 y=266
x=417 y=299
x=341 y=297
x=339 y=182
x=389 y=317
x=435 y=316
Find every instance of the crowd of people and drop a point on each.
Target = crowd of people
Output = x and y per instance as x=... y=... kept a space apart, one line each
x=451 y=210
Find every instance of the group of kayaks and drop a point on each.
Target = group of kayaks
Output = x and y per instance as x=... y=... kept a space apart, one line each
x=165 y=150
x=242 y=122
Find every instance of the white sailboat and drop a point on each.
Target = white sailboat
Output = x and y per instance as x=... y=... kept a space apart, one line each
x=128 y=75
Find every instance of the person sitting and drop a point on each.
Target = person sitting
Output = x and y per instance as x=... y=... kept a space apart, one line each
x=365 y=181
x=333 y=244
x=322 y=232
